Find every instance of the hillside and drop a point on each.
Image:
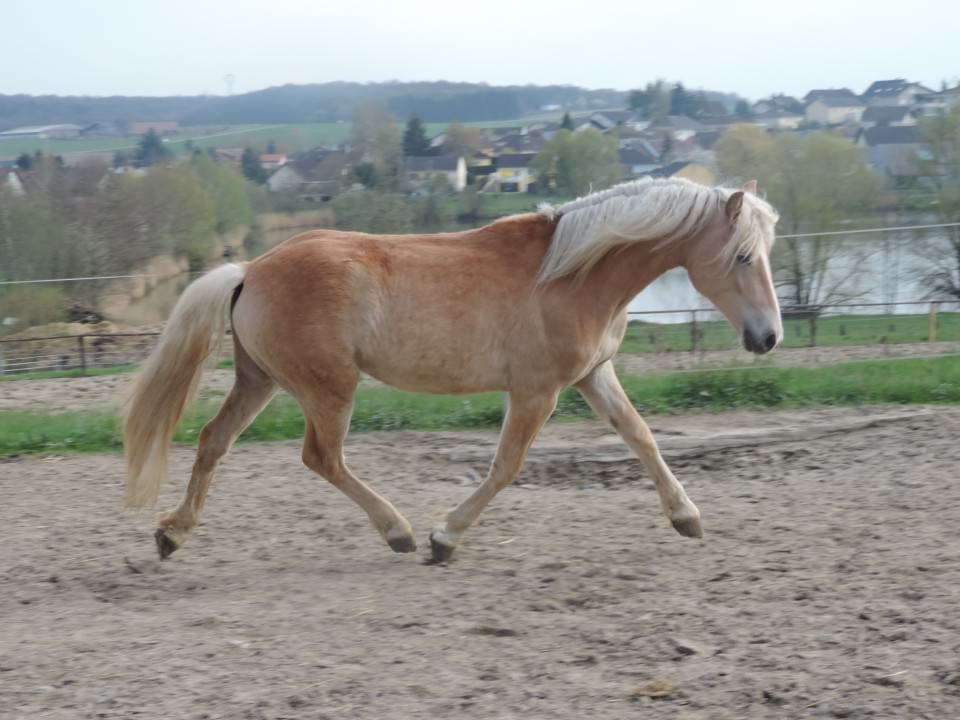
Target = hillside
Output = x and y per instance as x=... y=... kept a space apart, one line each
x=327 y=102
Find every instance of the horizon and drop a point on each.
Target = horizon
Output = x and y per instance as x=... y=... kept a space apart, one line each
x=181 y=50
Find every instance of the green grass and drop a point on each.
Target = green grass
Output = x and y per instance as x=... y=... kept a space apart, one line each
x=830 y=332
x=889 y=382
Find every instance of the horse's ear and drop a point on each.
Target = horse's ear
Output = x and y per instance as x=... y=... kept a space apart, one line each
x=750 y=187
x=734 y=205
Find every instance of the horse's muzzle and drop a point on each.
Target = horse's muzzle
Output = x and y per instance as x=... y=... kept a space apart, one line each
x=759 y=344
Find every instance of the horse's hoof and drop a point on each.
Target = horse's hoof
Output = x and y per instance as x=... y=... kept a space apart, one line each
x=402 y=544
x=166 y=545
x=688 y=526
x=440 y=553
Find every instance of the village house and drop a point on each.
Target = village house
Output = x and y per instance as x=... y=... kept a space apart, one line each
x=420 y=171
x=894 y=92
x=638 y=160
x=695 y=172
x=894 y=151
x=776 y=119
x=513 y=174
x=313 y=176
x=835 y=110
x=888 y=115
x=272 y=161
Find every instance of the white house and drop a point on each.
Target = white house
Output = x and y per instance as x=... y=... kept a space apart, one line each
x=778 y=120
x=420 y=170
x=894 y=92
x=831 y=110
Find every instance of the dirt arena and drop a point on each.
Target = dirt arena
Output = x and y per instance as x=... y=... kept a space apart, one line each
x=827 y=585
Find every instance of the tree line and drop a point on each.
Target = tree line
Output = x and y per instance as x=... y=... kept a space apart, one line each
x=86 y=221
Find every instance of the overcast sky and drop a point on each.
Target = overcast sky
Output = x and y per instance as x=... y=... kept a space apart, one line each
x=752 y=47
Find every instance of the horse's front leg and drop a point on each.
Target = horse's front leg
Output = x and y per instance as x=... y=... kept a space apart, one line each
x=603 y=392
x=525 y=416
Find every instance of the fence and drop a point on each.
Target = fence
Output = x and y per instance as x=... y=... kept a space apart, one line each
x=848 y=324
x=689 y=330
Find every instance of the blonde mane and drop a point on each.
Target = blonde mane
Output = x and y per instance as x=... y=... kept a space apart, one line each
x=658 y=210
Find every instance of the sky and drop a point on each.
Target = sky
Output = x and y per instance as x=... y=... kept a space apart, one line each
x=753 y=48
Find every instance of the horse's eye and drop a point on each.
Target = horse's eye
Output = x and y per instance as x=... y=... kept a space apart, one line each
x=744 y=258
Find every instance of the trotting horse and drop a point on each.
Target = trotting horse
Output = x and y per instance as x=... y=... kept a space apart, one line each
x=528 y=305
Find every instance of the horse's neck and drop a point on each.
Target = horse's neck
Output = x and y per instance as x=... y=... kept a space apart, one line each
x=619 y=277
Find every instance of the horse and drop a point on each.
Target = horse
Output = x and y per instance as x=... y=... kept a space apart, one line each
x=528 y=305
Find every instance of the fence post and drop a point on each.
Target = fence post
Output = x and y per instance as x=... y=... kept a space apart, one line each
x=83 y=354
x=694 y=332
x=813 y=329
x=932 y=323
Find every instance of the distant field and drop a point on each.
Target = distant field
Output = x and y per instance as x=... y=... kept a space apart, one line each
x=287 y=138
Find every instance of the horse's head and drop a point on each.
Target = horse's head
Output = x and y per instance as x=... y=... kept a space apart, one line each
x=729 y=263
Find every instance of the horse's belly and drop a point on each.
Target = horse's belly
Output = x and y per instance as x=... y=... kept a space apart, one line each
x=436 y=378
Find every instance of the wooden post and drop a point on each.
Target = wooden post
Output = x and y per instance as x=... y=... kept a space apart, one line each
x=932 y=324
x=694 y=332
x=83 y=354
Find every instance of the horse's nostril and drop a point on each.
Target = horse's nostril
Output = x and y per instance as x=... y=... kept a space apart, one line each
x=769 y=341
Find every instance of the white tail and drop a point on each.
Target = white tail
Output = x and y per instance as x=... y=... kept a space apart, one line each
x=168 y=379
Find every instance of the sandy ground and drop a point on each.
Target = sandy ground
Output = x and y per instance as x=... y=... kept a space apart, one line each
x=827 y=585
x=84 y=393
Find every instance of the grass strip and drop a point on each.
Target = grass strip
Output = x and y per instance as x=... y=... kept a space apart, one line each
x=921 y=381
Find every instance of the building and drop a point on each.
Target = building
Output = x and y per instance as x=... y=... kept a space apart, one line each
x=42 y=132
x=835 y=110
x=638 y=160
x=894 y=151
x=894 y=92
x=695 y=172
x=10 y=181
x=272 y=161
x=776 y=119
x=513 y=174
x=419 y=171
x=313 y=176
x=888 y=115
x=938 y=103
x=840 y=93
x=604 y=120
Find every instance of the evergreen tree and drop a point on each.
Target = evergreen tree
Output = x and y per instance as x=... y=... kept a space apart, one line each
x=252 y=169
x=679 y=101
x=414 y=138
x=25 y=161
x=743 y=110
x=567 y=122
x=151 y=150
x=271 y=147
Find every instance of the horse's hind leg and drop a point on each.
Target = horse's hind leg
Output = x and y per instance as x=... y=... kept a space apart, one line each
x=604 y=394
x=328 y=420
x=251 y=391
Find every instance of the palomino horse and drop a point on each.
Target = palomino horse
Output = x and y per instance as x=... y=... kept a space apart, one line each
x=528 y=305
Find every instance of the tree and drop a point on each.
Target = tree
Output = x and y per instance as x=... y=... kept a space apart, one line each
x=941 y=172
x=651 y=103
x=226 y=190
x=567 y=122
x=679 y=100
x=415 y=141
x=462 y=140
x=271 y=147
x=816 y=183
x=740 y=152
x=578 y=163
x=151 y=150
x=25 y=161
x=742 y=110
x=376 y=139
x=251 y=167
